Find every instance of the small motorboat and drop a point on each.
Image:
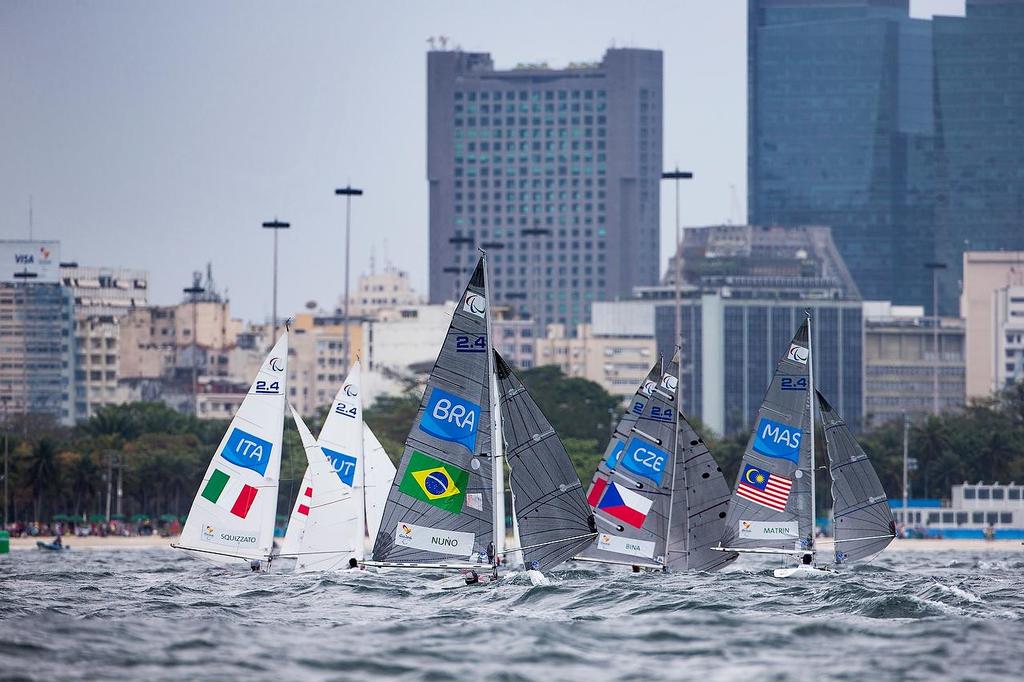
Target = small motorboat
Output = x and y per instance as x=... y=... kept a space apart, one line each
x=50 y=546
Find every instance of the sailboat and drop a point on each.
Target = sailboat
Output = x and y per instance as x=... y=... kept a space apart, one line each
x=233 y=513
x=658 y=495
x=344 y=486
x=772 y=506
x=446 y=508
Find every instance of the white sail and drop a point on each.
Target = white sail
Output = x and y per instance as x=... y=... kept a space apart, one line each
x=378 y=477
x=333 y=532
x=300 y=511
x=232 y=516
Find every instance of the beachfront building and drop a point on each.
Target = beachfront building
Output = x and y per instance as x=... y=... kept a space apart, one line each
x=971 y=510
x=992 y=305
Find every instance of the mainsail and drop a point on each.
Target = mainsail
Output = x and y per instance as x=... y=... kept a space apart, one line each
x=863 y=521
x=770 y=507
x=440 y=506
x=553 y=516
x=233 y=514
x=631 y=493
x=333 y=531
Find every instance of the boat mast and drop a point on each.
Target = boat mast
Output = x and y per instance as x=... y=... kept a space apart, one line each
x=673 y=479
x=812 y=399
x=497 y=446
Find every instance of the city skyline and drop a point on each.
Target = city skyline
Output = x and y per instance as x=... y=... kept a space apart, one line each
x=176 y=156
x=137 y=165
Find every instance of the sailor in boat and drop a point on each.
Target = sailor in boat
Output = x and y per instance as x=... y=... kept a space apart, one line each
x=58 y=542
x=807 y=559
x=255 y=565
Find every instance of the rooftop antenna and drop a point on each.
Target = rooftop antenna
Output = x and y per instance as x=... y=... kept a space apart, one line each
x=734 y=198
x=443 y=40
x=373 y=259
x=431 y=41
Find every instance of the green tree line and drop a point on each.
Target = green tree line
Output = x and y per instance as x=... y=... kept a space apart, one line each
x=164 y=454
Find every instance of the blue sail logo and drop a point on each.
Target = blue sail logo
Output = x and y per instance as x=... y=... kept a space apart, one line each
x=451 y=418
x=778 y=440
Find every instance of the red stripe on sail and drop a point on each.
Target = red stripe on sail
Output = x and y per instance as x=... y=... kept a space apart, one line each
x=758 y=496
x=244 y=502
x=303 y=509
x=596 y=491
x=309 y=492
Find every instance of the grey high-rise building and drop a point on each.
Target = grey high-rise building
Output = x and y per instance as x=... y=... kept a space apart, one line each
x=555 y=172
x=903 y=135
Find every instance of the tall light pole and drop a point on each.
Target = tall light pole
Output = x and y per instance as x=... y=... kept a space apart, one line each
x=275 y=225
x=7 y=438
x=194 y=291
x=675 y=176
x=25 y=276
x=935 y=267
x=906 y=468
x=348 y=192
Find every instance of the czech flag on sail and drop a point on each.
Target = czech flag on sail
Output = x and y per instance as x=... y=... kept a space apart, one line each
x=625 y=505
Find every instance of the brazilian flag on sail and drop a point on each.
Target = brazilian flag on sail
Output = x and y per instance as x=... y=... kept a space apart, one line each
x=435 y=482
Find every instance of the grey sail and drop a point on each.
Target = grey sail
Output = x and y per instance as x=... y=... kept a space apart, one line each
x=631 y=492
x=699 y=506
x=439 y=508
x=863 y=521
x=771 y=500
x=554 y=518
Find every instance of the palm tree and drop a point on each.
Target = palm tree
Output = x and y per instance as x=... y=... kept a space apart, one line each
x=41 y=473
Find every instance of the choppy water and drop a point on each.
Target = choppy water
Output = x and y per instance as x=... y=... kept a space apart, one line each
x=155 y=615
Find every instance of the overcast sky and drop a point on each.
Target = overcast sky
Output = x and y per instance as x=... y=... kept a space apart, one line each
x=160 y=135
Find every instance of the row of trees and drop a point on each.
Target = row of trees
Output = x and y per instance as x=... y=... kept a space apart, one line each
x=163 y=454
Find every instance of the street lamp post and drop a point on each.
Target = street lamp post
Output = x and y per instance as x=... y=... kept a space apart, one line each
x=935 y=267
x=7 y=438
x=194 y=291
x=348 y=192
x=25 y=275
x=675 y=176
x=275 y=225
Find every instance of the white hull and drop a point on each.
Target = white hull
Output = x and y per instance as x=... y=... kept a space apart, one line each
x=803 y=571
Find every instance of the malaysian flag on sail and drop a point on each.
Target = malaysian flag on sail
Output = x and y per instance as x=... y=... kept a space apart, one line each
x=767 y=490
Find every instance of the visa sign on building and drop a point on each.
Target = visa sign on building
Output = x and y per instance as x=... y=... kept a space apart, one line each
x=39 y=258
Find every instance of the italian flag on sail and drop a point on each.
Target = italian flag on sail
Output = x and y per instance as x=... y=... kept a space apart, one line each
x=230 y=493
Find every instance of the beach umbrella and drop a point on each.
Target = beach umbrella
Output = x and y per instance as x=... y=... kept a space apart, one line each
x=97 y=518
x=168 y=518
x=61 y=517
x=139 y=518
x=117 y=517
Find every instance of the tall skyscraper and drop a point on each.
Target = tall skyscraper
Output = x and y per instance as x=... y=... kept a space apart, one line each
x=554 y=172
x=979 y=99
x=903 y=135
